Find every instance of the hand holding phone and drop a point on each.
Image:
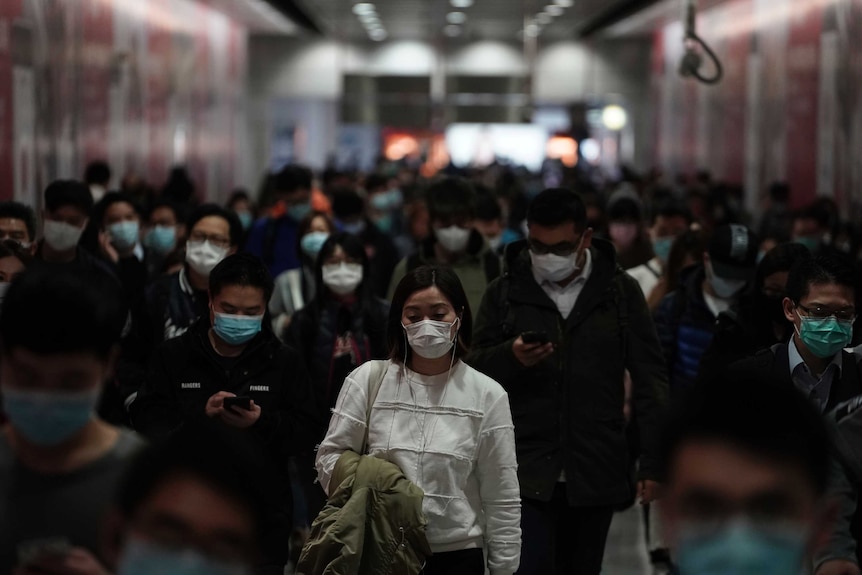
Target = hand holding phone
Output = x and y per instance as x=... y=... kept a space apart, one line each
x=240 y=401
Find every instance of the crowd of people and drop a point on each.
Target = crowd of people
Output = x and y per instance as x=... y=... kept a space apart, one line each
x=379 y=373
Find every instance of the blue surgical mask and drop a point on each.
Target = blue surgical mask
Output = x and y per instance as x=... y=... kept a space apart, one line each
x=298 y=212
x=146 y=558
x=246 y=219
x=381 y=202
x=312 y=242
x=124 y=235
x=237 y=329
x=385 y=223
x=161 y=239
x=825 y=337
x=742 y=549
x=810 y=242
x=661 y=247
x=49 y=418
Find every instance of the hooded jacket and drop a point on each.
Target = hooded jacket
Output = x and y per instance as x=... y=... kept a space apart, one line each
x=568 y=409
x=372 y=523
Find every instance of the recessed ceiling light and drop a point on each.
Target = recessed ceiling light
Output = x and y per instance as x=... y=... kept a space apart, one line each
x=378 y=34
x=452 y=30
x=368 y=18
x=456 y=17
x=565 y=3
x=363 y=8
x=532 y=30
x=461 y=3
x=554 y=10
x=544 y=18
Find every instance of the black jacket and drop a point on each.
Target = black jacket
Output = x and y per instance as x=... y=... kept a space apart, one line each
x=568 y=410
x=313 y=332
x=774 y=363
x=185 y=372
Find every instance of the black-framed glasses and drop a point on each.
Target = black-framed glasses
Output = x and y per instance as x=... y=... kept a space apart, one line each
x=563 y=249
x=217 y=241
x=822 y=312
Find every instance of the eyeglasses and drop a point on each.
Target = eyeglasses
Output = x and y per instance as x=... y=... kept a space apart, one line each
x=562 y=249
x=820 y=312
x=217 y=241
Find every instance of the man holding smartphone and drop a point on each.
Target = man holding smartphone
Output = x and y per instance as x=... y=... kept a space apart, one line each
x=557 y=331
x=231 y=368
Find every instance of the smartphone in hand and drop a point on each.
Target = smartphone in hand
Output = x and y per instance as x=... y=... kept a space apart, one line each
x=531 y=337
x=240 y=401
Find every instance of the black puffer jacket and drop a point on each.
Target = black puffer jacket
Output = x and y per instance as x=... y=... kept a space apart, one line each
x=568 y=410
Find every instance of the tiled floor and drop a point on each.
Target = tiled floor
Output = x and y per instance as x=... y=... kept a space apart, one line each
x=626 y=553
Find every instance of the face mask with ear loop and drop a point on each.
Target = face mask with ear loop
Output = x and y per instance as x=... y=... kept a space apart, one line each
x=434 y=339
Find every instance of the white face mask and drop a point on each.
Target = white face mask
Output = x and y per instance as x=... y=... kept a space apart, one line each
x=342 y=278
x=202 y=257
x=61 y=236
x=495 y=242
x=453 y=238
x=723 y=288
x=554 y=268
x=431 y=339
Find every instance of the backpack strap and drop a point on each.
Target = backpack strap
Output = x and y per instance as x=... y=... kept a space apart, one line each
x=375 y=381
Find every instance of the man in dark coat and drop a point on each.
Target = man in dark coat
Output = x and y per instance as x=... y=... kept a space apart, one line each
x=558 y=330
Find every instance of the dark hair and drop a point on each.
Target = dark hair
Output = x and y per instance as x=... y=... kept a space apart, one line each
x=346 y=202
x=419 y=279
x=60 y=193
x=693 y=243
x=779 y=192
x=179 y=188
x=108 y=200
x=818 y=212
x=354 y=248
x=774 y=422
x=236 y=196
x=98 y=172
x=556 y=206
x=375 y=181
x=451 y=197
x=179 y=214
x=819 y=270
x=241 y=269
x=225 y=460
x=488 y=208
x=54 y=312
x=779 y=259
x=231 y=218
x=669 y=208
x=305 y=227
x=625 y=209
x=19 y=211
x=12 y=249
x=291 y=179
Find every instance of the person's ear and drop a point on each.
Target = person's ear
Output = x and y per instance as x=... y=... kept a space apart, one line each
x=587 y=238
x=232 y=250
x=789 y=310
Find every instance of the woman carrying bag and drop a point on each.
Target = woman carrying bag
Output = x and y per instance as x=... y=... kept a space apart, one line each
x=446 y=426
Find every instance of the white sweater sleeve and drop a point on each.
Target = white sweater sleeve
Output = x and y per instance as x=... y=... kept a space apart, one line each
x=346 y=427
x=497 y=471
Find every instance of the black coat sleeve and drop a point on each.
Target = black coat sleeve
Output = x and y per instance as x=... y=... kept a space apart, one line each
x=155 y=412
x=492 y=349
x=649 y=374
x=294 y=427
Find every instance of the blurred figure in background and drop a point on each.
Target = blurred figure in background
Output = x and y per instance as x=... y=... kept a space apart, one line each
x=18 y=224
x=775 y=220
x=240 y=203
x=685 y=319
x=757 y=321
x=811 y=228
x=97 y=175
x=59 y=463
x=117 y=223
x=669 y=221
x=385 y=205
x=746 y=462
x=165 y=233
x=180 y=189
x=626 y=230
x=489 y=220
x=294 y=288
x=13 y=262
x=454 y=241
x=273 y=238
x=685 y=252
x=418 y=227
x=350 y=216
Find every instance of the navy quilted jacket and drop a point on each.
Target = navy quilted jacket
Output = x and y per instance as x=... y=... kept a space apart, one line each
x=685 y=328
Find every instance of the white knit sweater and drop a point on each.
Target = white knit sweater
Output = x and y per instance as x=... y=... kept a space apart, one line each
x=450 y=434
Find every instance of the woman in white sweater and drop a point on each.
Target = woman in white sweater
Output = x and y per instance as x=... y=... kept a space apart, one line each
x=445 y=425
